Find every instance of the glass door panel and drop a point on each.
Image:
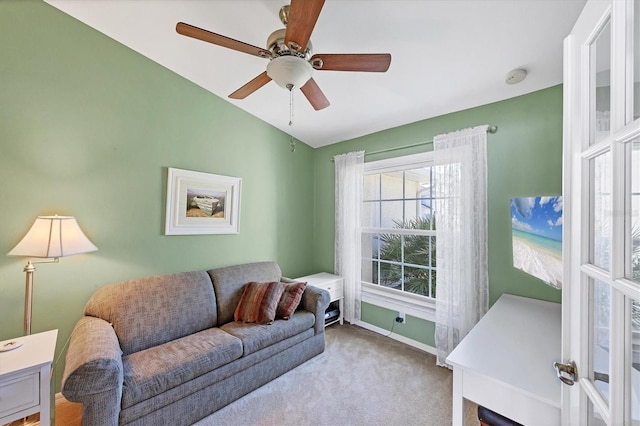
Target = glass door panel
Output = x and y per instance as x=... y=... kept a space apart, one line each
x=632 y=201
x=636 y=60
x=600 y=336
x=601 y=85
x=595 y=417
x=634 y=358
x=600 y=218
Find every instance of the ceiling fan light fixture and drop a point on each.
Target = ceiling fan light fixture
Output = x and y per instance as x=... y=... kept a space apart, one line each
x=289 y=71
x=289 y=50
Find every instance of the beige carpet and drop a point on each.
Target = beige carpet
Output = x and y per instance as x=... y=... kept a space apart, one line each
x=362 y=378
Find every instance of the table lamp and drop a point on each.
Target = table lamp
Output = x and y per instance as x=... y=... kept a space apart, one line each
x=50 y=237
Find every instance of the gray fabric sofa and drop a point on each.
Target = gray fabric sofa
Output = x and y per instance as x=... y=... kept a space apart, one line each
x=166 y=349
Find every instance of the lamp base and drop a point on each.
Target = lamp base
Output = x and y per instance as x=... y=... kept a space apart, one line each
x=29 y=269
x=28 y=296
x=9 y=345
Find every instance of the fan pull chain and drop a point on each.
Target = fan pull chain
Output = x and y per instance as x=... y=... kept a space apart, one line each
x=290 y=107
x=292 y=142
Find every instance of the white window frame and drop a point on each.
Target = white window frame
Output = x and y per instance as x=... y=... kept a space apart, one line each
x=411 y=304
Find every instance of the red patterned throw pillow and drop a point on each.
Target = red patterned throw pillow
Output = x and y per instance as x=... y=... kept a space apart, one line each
x=290 y=299
x=259 y=302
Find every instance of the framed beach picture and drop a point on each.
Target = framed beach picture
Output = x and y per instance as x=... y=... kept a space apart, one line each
x=202 y=203
x=536 y=226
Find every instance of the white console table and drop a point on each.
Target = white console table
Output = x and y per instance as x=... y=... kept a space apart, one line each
x=505 y=363
x=331 y=283
x=25 y=378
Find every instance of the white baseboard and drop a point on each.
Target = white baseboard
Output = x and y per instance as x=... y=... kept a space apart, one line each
x=398 y=337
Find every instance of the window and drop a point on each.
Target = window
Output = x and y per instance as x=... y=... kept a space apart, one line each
x=398 y=234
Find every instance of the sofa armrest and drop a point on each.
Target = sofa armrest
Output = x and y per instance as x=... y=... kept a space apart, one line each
x=93 y=373
x=316 y=301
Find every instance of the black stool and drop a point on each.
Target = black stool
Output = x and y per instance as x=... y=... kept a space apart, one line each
x=491 y=418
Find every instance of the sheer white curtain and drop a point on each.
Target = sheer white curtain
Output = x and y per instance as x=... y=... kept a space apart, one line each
x=461 y=235
x=349 y=172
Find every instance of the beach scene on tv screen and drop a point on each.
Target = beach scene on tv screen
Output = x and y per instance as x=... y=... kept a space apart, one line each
x=536 y=224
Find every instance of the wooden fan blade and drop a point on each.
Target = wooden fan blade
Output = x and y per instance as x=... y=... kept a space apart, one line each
x=303 y=15
x=251 y=86
x=314 y=95
x=220 y=40
x=367 y=62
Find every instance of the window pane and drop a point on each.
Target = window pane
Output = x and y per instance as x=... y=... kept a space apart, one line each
x=390 y=275
x=370 y=272
x=371 y=187
x=371 y=214
x=392 y=185
x=369 y=249
x=412 y=211
x=391 y=214
x=425 y=204
x=391 y=255
x=391 y=247
x=600 y=220
x=370 y=269
x=601 y=296
x=416 y=181
x=416 y=249
x=420 y=281
x=601 y=85
x=412 y=184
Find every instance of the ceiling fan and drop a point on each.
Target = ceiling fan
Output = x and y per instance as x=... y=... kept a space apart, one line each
x=291 y=62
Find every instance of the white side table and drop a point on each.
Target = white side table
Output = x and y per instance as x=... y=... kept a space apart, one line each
x=333 y=284
x=25 y=378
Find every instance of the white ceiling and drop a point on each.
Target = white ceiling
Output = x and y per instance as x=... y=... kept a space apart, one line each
x=447 y=55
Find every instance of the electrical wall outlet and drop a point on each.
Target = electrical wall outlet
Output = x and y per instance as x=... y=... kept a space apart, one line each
x=400 y=318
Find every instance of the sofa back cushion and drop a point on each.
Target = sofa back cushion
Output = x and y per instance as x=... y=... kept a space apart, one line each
x=229 y=282
x=150 y=311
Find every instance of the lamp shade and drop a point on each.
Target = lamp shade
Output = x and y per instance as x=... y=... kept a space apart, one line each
x=289 y=71
x=53 y=237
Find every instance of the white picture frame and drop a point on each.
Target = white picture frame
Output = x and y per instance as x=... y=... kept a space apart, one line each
x=202 y=203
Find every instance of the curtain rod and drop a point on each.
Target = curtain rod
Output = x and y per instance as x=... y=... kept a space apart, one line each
x=490 y=129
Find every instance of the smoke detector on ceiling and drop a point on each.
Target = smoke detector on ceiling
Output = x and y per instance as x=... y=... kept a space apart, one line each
x=515 y=76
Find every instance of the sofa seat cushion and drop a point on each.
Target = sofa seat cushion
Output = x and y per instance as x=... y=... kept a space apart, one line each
x=255 y=337
x=155 y=370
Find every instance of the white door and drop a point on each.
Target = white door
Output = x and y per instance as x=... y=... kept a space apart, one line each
x=601 y=313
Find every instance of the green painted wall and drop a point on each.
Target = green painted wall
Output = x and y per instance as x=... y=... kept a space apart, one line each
x=88 y=128
x=412 y=328
x=524 y=159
